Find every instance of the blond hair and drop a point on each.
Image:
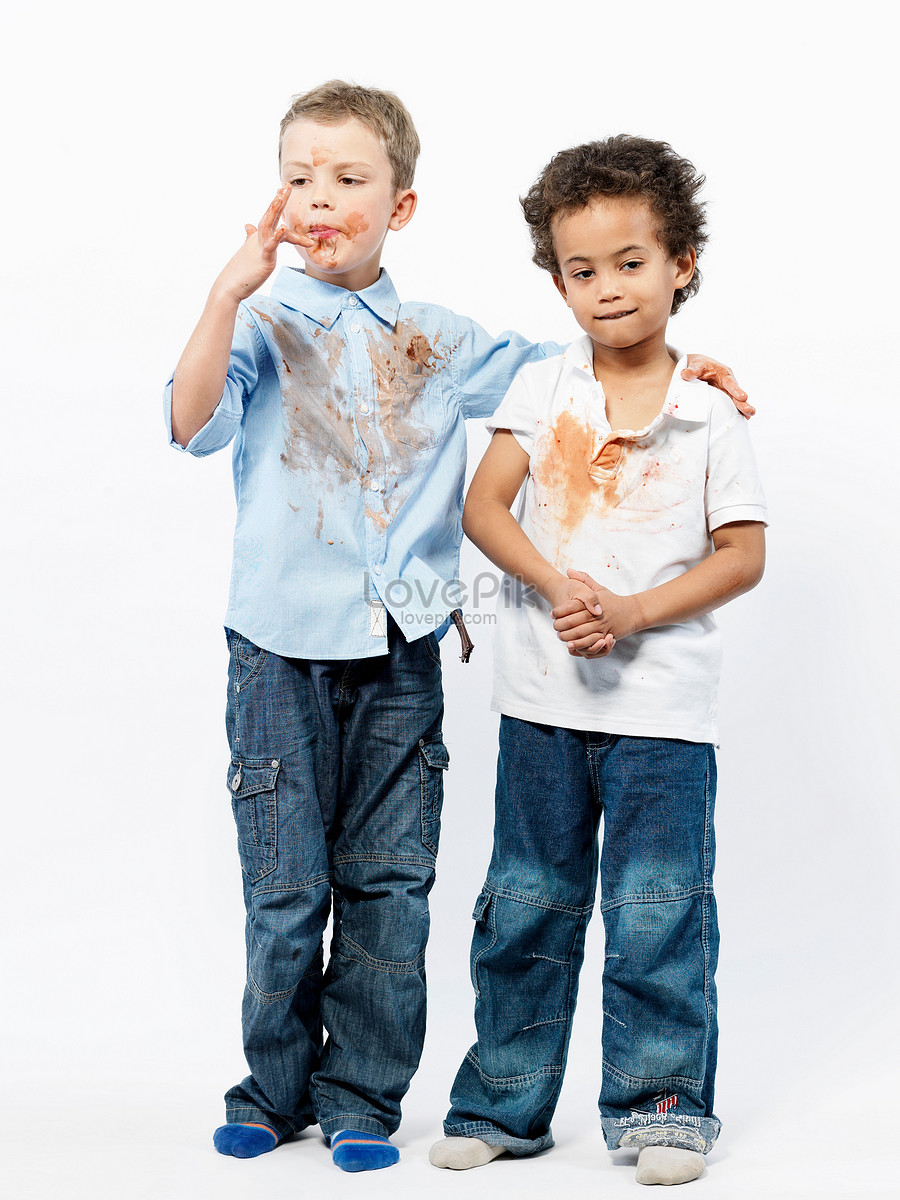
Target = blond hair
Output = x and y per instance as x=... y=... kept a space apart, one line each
x=383 y=113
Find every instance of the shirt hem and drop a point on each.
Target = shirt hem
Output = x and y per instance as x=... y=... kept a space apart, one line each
x=602 y=723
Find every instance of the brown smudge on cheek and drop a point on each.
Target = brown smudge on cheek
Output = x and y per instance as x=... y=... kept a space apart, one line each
x=356 y=224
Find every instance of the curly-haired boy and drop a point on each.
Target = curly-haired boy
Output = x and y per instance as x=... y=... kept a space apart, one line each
x=642 y=512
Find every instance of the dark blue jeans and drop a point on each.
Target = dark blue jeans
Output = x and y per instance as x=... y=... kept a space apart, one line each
x=656 y=797
x=336 y=781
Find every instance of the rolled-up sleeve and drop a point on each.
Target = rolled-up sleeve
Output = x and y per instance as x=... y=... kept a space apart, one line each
x=247 y=350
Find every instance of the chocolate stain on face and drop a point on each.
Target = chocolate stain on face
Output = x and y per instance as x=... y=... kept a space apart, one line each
x=356 y=224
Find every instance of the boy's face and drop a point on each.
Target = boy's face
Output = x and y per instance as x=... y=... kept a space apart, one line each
x=614 y=274
x=343 y=197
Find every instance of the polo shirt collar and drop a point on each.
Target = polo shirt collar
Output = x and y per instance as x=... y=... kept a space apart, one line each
x=686 y=399
x=323 y=302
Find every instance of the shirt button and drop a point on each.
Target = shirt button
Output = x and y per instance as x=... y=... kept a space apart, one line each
x=377 y=569
x=363 y=408
x=356 y=328
x=354 y=301
x=236 y=782
x=375 y=486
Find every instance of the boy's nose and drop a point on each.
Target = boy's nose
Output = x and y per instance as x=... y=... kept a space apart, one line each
x=320 y=200
x=609 y=289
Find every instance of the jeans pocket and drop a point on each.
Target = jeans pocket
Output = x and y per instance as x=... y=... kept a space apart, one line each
x=247 y=658
x=484 y=937
x=433 y=762
x=253 y=801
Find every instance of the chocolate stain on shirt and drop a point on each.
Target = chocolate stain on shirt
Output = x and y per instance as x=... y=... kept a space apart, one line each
x=571 y=475
x=576 y=477
x=316 y=429
x=403 y=361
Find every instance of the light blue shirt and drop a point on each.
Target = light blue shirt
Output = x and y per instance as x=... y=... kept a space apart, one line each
x=347 y=411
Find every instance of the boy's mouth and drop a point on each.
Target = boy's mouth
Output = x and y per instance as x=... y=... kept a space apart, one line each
x=325 y=233
x=625 y=312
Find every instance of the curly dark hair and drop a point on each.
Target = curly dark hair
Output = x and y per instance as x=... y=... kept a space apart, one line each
x=621 y=166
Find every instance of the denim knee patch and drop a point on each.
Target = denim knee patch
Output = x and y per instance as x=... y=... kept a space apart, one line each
x=525 y=962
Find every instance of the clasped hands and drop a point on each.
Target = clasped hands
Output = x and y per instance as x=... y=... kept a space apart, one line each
x=588 y=617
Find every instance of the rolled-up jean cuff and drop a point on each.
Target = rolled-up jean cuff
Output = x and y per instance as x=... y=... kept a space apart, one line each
x=248 y=1115
x=362 y=1124
x=486 y=1132
x=643 y=1129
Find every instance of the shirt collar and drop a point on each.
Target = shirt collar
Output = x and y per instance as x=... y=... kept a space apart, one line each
x=686 y=399
x=323 y=302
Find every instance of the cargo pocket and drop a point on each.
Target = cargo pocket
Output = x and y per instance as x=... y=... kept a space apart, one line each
x=252 y=787
x=433 y=762
x=485 y=936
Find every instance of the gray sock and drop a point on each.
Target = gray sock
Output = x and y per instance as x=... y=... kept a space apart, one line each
x=668 y=1164
x=461 y=1153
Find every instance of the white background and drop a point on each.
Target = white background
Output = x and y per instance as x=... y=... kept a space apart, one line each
x=138 y=141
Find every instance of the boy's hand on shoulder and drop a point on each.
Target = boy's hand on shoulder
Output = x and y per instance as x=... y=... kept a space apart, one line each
x=594 y=618
x=257 y=258
x=700 y=366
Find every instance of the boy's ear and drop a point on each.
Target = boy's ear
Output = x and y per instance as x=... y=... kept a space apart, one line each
x=684 y=267
x=561 y=288
x=404 y=206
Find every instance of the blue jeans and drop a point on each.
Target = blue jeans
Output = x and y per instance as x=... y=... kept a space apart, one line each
x=336 y=782
x=656 y=797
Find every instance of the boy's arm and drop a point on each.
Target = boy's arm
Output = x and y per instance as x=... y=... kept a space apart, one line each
x=735 y=566
x=199 y=379
x=488 y=522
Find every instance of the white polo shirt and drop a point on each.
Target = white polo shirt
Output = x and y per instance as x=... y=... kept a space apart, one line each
x=633 y=510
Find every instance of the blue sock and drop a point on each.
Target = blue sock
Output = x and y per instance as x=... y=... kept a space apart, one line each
x=245 y=1141
x=355 y=1151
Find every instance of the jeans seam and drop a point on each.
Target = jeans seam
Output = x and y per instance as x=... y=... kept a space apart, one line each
x=386 y=966
x=539 y=901
x=671 y=897
x=268 y=997
x=683 y=1081
x=704 y=914
x=409 y=860
x=273 y=890
x=552 y=1072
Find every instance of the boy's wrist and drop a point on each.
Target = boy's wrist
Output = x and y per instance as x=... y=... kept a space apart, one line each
x=639 y=617
x=548 y=583
x=224 y=298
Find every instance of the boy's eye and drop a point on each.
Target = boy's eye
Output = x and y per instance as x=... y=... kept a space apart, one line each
x=632 y=264
x=587 y=273
x=348 y=179
x=299 y=181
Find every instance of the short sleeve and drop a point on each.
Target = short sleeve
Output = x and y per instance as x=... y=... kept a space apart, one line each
x=518 y=413
x=733 y=488
x=485 y=366
x=247 y=351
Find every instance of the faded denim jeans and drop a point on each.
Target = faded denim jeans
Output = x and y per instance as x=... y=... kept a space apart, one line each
x=336 y=782
x=656 y=797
